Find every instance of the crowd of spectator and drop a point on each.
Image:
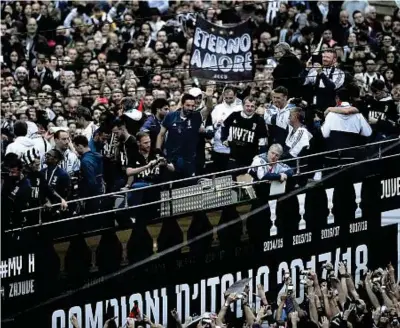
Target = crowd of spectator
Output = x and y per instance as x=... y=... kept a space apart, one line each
x=335 y=301
x=96 y=96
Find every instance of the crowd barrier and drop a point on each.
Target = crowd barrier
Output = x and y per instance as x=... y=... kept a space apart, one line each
x=191 y=253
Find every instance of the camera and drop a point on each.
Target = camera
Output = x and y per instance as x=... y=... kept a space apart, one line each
x=328 y=267
x=376 y=279
x=305 y=272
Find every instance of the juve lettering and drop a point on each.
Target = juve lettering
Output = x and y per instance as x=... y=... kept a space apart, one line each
x=390 y=188
x=21 y=288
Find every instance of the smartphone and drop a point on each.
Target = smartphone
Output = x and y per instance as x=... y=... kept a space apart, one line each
x=316 y=59
x=103 y=101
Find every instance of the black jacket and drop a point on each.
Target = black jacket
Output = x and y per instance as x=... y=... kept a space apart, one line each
x=287 y=74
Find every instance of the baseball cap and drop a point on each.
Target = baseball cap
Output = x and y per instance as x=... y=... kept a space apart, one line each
x=195 y=92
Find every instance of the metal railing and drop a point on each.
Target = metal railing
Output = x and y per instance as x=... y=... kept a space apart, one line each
x=378 y=156
x=226 y=172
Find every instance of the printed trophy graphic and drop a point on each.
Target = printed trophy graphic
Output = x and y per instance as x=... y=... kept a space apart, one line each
x=329 y=194
x=93 y=243
x=357 y=189
x=61 y=250
x=154 y=231
x=302 y=222
x=214 y=220
x=123 y=237
x=184 y=224
x=272 y=206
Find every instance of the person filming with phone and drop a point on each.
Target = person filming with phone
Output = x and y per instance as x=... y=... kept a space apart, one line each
x=146 y=168
x=323 y=79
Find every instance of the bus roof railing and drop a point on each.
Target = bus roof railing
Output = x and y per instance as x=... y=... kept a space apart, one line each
x=220 y=173
x=226 y=172
x=253 y=183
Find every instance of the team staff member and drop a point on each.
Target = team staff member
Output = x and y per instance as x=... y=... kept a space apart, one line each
x=344 y=131
x=42 y=193
x=55 y=176
x=266 y=166
x=221 y=111
x=323 y=80
x=70 y=162
x=298 y=139
x=127 y=146
x=146 y=167
x=91 y=177
x=245 y=133
x=184 y=127
x=159 y=109
x=277 y=116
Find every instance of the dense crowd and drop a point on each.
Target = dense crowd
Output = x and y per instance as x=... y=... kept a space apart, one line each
x=97 y=96
x=333 y=301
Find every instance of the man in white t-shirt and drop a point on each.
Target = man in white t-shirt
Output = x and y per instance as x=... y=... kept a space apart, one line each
x=229 y=105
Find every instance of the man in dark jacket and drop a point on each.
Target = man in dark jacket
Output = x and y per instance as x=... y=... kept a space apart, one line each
x=91 y=179
x=44 y=74
x=34 y=43
x=288 y=71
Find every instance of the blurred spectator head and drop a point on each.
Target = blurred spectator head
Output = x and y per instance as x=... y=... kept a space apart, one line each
x=274 y=153
x=387 y=22
x=31 y=158
x=229 y=95
x=20 y=129
x=370 y=12
x=188 y=104
x=31 y=26
x=83 y=116
x=53 y=157
x=396 y=26
x=13 y=165
x=396 y=94
x=127 y=104
x=81 y=144
x=279 y=97
x=371 y=66
x=281 y=49
x=160 y=107
x=197 y=94
x=249 y=106
x=307 y=32
x=344 y=17
x=296 y=116
x=61 y=140
x=329 y=57
x=342 y=95
x=378 y=89
x=143 y=141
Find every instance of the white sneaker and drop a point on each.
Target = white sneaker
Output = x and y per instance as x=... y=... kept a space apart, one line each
x=317 y=176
